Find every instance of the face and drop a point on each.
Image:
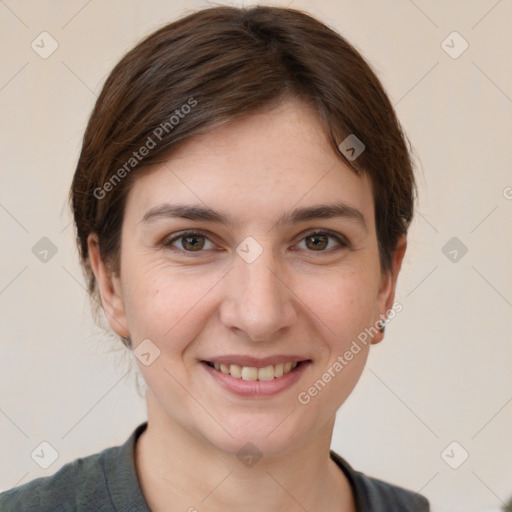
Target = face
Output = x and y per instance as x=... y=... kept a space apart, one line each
x=268 y=278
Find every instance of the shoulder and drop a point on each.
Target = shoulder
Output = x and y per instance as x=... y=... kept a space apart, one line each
x=78 y=485
x=384 y=496
x=372 y=494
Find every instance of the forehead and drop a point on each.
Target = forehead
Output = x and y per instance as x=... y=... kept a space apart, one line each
x=256 y=168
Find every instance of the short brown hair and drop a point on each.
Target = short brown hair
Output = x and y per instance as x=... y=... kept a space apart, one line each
x=222 y=63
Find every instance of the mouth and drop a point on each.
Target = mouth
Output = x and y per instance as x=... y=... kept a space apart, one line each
x=256 y=382
x=252 y=373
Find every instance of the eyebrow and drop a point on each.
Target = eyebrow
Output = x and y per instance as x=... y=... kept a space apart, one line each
x=201 y=213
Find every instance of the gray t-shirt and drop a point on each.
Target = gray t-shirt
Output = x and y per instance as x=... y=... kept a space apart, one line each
x=107 y=481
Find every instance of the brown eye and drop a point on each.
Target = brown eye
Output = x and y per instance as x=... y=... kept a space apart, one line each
x=192 y=242
x=320 y=241
x=317 y=241
x=188 y=242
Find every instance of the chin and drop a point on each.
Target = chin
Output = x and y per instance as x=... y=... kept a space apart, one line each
x=267 y=434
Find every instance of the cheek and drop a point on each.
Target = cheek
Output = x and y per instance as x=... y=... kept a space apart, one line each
x=164 y=304
x=344 y=302
x=343 y=307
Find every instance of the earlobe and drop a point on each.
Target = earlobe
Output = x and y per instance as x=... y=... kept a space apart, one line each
x=109 y=288
x=387 y=289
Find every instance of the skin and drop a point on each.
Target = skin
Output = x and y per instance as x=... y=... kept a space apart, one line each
x=295 y=298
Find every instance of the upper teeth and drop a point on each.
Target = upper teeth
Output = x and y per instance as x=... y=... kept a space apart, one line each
x=252 y=373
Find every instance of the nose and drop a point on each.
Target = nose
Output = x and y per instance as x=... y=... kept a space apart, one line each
x=258 y=301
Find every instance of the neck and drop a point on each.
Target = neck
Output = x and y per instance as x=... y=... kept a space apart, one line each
x=180 y=471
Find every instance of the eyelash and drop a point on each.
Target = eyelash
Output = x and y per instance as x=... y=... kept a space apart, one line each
x=343 y=243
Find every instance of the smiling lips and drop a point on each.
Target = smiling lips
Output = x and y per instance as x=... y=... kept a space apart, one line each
x=256 y=378
x=253 y=373
x=252 y=368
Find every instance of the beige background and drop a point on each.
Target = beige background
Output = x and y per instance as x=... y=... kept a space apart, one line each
x=443 y=372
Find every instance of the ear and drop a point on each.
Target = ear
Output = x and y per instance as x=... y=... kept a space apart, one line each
x=386 y=295
x=109 y=285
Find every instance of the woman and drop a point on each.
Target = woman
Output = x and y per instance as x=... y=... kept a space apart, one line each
x=241 y=201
